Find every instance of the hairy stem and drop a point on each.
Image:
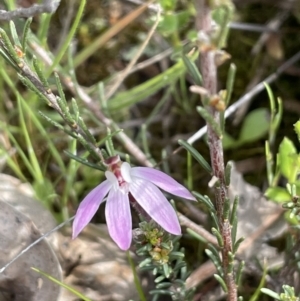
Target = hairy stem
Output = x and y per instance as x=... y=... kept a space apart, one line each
x=208 y=70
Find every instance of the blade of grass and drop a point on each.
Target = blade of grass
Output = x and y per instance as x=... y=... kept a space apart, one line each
x=12 y=164
x=137 y=282
x=70 y=179
x=104 y=38
x=130 y=97
x=56 y=155
x=53 y=150
x=37 y=172
x=44 y=29
x=69 y=288
x=69 y=38
x=20 y=151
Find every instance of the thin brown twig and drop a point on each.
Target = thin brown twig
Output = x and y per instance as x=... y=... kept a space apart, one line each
x=156 y=58
x=184 y=221
x=126 y=72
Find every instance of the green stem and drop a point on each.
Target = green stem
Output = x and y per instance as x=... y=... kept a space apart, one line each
x=69 y=38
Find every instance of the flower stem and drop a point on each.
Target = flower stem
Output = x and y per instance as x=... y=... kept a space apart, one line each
x=208 y=70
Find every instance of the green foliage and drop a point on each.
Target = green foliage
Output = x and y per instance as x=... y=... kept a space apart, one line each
x=287 y=295
x=166 y=259
x=69 y=288
x=288 y=160
x=297 y=129
x=255 y=126
x=288 y=166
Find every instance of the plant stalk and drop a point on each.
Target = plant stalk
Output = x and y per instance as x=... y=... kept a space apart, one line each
x=208 y=70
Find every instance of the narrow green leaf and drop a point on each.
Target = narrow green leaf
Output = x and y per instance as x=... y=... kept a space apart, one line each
x=38 y=175
x=192 y=69
x=196 y=155
x=196 y=235
x=26 y=34
x=218 y=235
x=69 y=119
x=163 y=285
x=237 y=244
x=14 y=34
x=60 y=90
x=40 y=73
x=270 y=163
x=9 y=48
x=69 y=38
x=230 y=263
x=226 y=209
x=230 y=83
x=234 y=224
x=206 y=201
x=234 y=209
x=109 y=143
x=239 y=272
x=26 y=82
x=45 y=135
x=69 y=288
x=258 y=290
x=209 y=119
x=222 y=282
x=167 y=270
x=138 y=93
x=75 y=109
x=228 y=169
x=270 y=293
x=86 y=130
x=160 y=278
x=137 y=281
x=215 y=252
x=215 y=219
x=215 y=259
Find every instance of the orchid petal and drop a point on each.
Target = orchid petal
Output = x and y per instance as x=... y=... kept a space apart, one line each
x=155 y=204
x=89 y=206
x=125 y=171
x=118 y=218
x=162 y=180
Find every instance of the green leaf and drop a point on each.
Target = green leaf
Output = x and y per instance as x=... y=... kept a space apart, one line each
x=297 y=129
x=193 y=70
x=288 y=160
x=278 y=194
x=169 y=24
x=168 y=4
x=255 y=126
x=270 y=293
x=196 y=155
x=228 y=141
x=130 y=97
x=69 y=288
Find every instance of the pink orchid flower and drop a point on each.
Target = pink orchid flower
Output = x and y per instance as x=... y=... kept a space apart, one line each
x=122 y=182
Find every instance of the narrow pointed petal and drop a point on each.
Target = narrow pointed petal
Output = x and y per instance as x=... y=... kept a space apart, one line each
x=155 y=204
x=89 y=206
x=118 y=218
x=162 y=180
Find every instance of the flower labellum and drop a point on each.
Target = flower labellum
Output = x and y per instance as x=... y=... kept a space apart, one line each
x=123 y=181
